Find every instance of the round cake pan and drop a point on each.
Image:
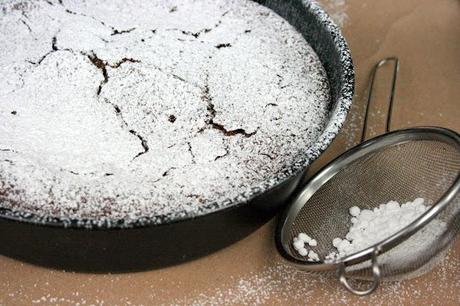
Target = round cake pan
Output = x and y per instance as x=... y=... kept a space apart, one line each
x=147 y=245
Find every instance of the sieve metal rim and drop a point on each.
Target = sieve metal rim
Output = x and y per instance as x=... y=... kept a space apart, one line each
x=331 y=169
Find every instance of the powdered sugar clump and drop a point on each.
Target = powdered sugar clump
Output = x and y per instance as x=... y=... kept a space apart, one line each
x=110 y=114
x=370 y=227
x=301 y=244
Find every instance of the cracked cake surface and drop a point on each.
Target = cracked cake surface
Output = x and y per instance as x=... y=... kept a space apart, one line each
x=113 y=112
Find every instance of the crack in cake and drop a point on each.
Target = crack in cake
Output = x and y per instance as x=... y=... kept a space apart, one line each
x=114 y=112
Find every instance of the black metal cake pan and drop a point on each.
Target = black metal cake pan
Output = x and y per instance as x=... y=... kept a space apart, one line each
x=146 y=244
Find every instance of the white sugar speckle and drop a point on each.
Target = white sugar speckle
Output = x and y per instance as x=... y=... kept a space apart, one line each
x=304 y=237
x=303 y=252
x=354 y=211
x=299 y=244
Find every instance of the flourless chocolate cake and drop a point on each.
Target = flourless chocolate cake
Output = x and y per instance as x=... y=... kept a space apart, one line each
x=120 y=111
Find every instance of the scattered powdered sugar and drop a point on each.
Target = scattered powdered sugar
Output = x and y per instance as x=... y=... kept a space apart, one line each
x=273 y=283
x=337 y=9
x=265 y=280
x=109 y=114
x=282 y=284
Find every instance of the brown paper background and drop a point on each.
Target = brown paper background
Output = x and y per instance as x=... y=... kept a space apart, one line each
x=425 y=35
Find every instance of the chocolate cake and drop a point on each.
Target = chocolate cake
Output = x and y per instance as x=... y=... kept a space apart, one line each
x=114 y=112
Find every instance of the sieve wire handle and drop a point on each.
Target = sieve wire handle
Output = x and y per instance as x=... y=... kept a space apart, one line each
x=390 y=99
x=375 y=274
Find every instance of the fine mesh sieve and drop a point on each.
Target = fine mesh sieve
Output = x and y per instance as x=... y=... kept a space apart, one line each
x=400 y=166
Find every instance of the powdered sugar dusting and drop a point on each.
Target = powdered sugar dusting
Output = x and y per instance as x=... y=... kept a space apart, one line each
x=117 y=115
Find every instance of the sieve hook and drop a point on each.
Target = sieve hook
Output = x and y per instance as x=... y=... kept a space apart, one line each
x=375 y=274
x=391 y=97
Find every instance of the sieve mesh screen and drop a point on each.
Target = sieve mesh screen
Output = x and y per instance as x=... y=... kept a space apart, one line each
x=401 y=172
